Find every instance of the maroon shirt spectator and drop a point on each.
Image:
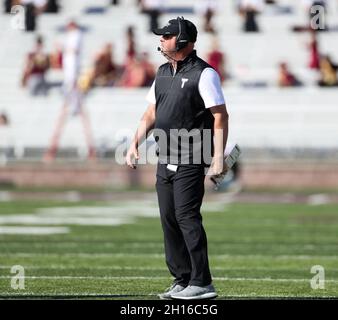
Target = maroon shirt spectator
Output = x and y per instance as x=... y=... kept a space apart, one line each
x=286 y=78
x=314 y=52
x=131 y=48
x=216 y=59
x=37 y=63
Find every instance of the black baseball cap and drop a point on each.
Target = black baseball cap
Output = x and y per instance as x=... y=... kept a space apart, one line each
x=172 y=28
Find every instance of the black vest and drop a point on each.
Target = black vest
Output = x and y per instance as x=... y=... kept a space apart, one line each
x=179 y=105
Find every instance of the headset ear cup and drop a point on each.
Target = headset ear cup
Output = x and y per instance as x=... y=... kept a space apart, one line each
x=182 y=38
x=182 y=44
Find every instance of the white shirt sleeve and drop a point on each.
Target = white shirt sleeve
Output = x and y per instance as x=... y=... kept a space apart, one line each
x=151 y=94
x=210 y=88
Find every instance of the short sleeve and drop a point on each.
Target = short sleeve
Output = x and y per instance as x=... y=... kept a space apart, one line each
x=151 y=98
x=210 y=88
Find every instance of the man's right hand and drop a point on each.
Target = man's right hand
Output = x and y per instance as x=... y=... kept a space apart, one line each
x=131 y=156
x=218 y=166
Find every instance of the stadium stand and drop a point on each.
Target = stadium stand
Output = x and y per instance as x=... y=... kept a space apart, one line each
x=261 y=114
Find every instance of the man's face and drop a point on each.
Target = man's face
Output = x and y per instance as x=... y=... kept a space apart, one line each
x=168 y=43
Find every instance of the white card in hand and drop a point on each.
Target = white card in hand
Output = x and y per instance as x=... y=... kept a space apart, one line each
x=233 y=156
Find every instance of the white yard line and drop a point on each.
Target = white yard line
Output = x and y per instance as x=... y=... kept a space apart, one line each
x=33 y=230
x=121 y=268
x=156 y=278
x=119 y=294
x=159 y=255
x=101 y=243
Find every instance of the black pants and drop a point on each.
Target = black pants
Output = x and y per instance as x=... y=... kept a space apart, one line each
x=180 y=197
x=30 y=17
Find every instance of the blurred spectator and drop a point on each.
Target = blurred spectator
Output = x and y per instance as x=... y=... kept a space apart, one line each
x=148 y=68
x=314 y=51
x=52 y=6
x=105 y=71
x=138 y=72
x=153 y=8
x=208 y=9
x=216 y=59
x=328 y=72
x=71 y=66
x=36 y=66
x=249 y=9
x=8 y=4
x=286 y=78
x=71 y=55
x=115 y=2
x=131 y=48
x=6 y=139
x=32 y=9
x=3 y=120
x=55 y=57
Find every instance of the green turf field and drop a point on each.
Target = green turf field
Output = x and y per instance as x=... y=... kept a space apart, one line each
x=258 y=250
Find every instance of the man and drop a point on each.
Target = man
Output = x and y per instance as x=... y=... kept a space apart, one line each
x=71 y=65
x=249 y=9
x=33 y=8
x=186 y=95
x=36 y=66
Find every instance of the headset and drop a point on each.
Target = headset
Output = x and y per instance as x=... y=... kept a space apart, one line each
x=183 y=38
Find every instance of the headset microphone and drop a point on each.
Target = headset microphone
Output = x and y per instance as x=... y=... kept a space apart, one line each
x=168 y=51
x=165 y=53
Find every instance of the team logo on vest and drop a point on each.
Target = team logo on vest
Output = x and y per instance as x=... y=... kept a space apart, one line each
x=184 y=80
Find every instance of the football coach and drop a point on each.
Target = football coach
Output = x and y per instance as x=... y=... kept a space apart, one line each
x=186 y=96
